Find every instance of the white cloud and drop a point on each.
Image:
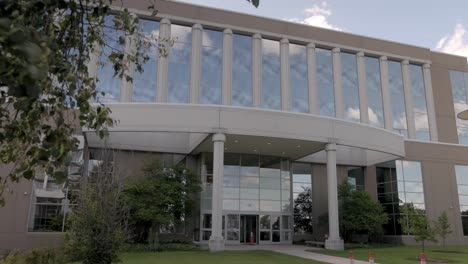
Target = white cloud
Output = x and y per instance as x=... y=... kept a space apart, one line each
x=455 y=42
x=318 y=16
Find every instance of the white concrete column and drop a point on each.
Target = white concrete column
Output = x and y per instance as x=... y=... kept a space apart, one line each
x=408 y=99
x=227 y=67
x=430 y=102
x=285 y=81
x=338 y=83
x=126 y=87
x=361 y=71
x=334 y=241
x=216 y=242
x=387 y=107
x=312 y=82
x=195 y=67
x=163 y=60
x=256 y=69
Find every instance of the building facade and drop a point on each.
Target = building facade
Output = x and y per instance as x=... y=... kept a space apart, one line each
x=273 y=116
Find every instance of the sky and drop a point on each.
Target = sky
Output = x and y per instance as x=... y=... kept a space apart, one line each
x=435 y=24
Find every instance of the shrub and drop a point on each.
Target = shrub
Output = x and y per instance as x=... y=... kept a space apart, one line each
x=36 y=256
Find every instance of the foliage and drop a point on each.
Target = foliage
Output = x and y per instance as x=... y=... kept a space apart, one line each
x=303 y=212
x=442 y=227
x=97 y=229
x=414 y=221
x=353 y=220
x=160 y=196
x=163 y=247
x=36 y=256
x=45 y=87
x=256 y=3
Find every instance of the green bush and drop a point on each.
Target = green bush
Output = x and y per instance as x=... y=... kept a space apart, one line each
x=36 y=256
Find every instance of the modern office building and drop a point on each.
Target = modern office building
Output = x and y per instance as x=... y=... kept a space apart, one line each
x=273 y=116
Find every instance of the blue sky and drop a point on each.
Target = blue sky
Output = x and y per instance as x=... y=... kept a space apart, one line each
x=438 y=25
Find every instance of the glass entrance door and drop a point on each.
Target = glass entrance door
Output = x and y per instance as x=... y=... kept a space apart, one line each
x=248 y=226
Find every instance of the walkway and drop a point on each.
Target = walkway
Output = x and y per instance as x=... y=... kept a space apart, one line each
x=296 y=250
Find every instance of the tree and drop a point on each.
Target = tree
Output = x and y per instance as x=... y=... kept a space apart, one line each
x=98 y=223
x=45 y=86
x=442 y=227
x=162 y=195
x=414 y=221
x=303 y=218
x=360 y=214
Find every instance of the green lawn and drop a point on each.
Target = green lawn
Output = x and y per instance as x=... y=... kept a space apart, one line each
x=205 y=257
x=406 y=255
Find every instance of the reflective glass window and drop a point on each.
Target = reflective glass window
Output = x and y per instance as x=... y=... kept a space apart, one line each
x=325 y=88
x=397 y=97
x=242 y=70
x=179 y=64
x=298 y=78
x=350 y=87
x=108 y=85
x=302 y=194
x=374 y=92
x=271 y=72
x=144 y=83
x=459 y=81
x=418 y=94
x=462 y=184
x=211 y=70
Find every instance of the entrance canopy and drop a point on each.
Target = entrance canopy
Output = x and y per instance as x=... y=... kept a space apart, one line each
x=186 y=129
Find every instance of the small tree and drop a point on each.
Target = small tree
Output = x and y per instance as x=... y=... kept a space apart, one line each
x=414 y=222
x=360 y=214
x=161 y=196
x=97 y=224
x=442 y=227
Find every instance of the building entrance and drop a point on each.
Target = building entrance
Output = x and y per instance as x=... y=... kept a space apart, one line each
x=249 y=224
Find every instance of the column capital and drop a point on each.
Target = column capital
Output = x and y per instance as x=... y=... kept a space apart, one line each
x=426 y=66
x=197 y=26
x=336 y=50
x=311 y=45
x=257 y=36
x=227 y=31
x=405 y=62
x=383 y=58
x=219 y=137
x=330 y=147
x=360 y=54
x=284 y=41
x=165 y=21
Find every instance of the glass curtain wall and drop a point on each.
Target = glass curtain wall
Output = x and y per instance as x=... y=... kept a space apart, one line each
x=462 y=187
x=144 y=83
x=242 y=70
x=108 y=85
x=399 y=183
x=211 y=67
x=459 y=81
x=179 y=64
x=325 y=86
x=350 y=87
x=418 y=94
x=253 y=185
x=271 y=72
x=374 y=92
x=298 y=78
x=356 y=178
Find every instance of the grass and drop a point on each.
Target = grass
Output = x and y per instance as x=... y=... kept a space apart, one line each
x=406 y=255
x=205 y=257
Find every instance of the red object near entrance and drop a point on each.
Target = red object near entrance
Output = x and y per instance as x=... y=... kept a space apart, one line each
x=251 y=239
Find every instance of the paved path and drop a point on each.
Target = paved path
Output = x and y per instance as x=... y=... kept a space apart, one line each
x=296 y=250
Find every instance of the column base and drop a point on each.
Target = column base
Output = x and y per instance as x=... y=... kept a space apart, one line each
x=334 y=244
x=216 y=244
